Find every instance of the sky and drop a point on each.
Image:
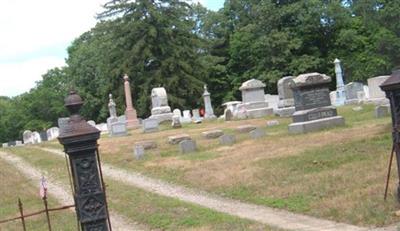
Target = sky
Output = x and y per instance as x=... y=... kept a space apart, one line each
x=35 y=35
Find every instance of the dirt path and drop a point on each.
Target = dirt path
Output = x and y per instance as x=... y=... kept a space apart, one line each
x=273 y=217
x=58 y=191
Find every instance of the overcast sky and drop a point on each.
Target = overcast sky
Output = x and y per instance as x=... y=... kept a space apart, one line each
x=35 y=36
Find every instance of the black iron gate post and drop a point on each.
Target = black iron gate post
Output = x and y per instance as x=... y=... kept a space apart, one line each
x=80 y=143
x=392 y=89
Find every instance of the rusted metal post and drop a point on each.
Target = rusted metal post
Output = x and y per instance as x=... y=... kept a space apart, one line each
x=21 y=211
x=46 y=209
x=80 y=143
x=392 y=89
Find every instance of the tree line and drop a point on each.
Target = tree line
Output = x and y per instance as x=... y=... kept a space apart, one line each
x=182 y=46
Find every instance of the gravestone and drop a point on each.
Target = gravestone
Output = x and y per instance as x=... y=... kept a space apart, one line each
x=91 y=123
x=176 y=121
x=227 y=139
x=213 y=134
x=361 y=96
x=102 y=127
x=116 y=126
x=228 y=114
x=175 y=139
x=253 y=99
x=271 y=123
x=150 y=125
x=286 y=101
x=36 y=138
x=27 y=137
x=187 y=118
x=43 y=135
x=340 y=89
x=62 y=122
x=382 y=111
x=53 y=133
x=177 y=112
x=11 y=143
x=130 y=111
x=352 y=89
x=147 y=144
x=233 y=107
x=187 y=146
x=257 y=133
x=160 y=109
x=313 y=105
x=18 y=143
x=376 y=95
x=5 y=145
x=209 y=111
x=139 y=152
x=245 y=128
x=196 y=116
x=332 y=96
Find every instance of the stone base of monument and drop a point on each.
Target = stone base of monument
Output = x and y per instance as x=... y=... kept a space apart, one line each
x=285 y=111
x=258 y=113
x=162 y=117
x=315 y=125
x=131 y=121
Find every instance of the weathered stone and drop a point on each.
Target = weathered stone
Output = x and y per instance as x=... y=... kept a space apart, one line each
x=351 y=90
x=139 y=152
x=375 y=91
x=253 y=99
x=176 y=122
x=178 y=138
x=43 y=135
x=257 y=133
x=36 y=138
x=245 y=128
x=228 y=114
x=150 y=125
x=382 y=111
x=52 y=133
x=209 y=112
x=91 y=123
x=227 y=139
x=340 y=88
x=147 y=144
x=313 y=104
x=62 y=122
x=187 y=146
x=187 y=117
x=196 y=116
x=27 y=137
x=118 y=128
x=271 y=123
x=213 y=134
x=160 y=109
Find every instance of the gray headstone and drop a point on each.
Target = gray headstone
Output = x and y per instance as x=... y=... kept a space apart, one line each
x=271 y=123
x=228 y=115
x=257 y=133
x=313 y=104
x=375 y=92
x=150 y=125
x=382 y=111
x=147 y=144
x=187 y=146
x=227 y=139
x=43 y=135
x=176 y=121
x=27 y=137
x=139 y=152
x=245 y=128
x=62 y=122
x=284 y=90
x=213 y=134
x=118 y=129
x=18 y=143
x=178 y=138
x=352 y=88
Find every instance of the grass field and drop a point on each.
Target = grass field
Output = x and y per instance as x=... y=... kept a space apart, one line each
x=337 y=173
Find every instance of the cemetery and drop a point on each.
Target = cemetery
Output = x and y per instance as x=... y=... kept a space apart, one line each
x=262 y=161
x=167 y=115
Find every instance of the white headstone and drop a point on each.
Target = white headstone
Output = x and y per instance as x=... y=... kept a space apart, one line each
x=187 y=118
x=36 y=138
x=27 y=137
x=53 y=133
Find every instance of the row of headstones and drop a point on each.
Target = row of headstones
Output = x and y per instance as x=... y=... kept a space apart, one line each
x=187 y=144
x=12 y=144
x=35 y=137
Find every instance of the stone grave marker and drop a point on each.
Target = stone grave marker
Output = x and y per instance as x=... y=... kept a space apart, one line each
x=257 y=133
x=62 y=122
x=352 y=90
x=245 y=128
x=116 y=126
x=11 y=143
x=147 y=144
x=36 y=138
x=196 y=116
x=27 y=137
x=187 y=118
x=286 y=101
x=176 y=121
x=139 y=152
x=43 y=135
x=150 y=125
x=382 y=111
x=213 y=134
x=53 y=133
x=209 y=111
x=130 y=111
x=313 y=105
x=187 y=146
x=253 y=99
x=18 y=143
x=160 y=109
x=5 y=145
x=227 y=139
x=175 y=139
x=91 y=123
x=271 y=123
x=376 y=95
x=228 y=114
